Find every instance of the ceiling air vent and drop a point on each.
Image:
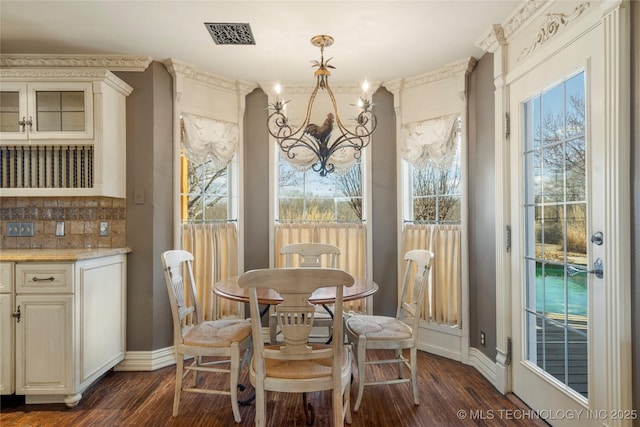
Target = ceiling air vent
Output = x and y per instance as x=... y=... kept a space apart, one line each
x=230 y=33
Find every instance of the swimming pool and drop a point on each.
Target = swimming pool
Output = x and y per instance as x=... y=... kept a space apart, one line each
x=550 y=291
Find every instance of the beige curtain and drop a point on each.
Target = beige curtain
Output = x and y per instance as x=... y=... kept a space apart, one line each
x=215 y=250
x=349 y=237
x=443 y=304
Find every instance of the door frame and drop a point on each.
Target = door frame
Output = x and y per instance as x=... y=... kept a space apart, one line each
x=509 y=42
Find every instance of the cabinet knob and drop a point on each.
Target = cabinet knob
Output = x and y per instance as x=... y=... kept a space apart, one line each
x=16 y=314
x=24 y=123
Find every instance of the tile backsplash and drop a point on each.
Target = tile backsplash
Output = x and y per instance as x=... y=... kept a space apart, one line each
x=81 y=217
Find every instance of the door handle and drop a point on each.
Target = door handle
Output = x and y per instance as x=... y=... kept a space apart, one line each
x=597 y=238
x=598 y=269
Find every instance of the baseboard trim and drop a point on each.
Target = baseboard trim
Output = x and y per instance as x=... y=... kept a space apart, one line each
x=147 y=360
x=483 y=364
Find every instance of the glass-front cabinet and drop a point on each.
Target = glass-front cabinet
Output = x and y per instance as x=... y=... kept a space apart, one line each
x=51 y=110
x=62 y=132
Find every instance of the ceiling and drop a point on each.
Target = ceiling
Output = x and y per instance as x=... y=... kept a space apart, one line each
x=376 y=40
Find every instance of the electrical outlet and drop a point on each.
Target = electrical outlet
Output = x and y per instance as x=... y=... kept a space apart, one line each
x=483 y=339
x=59 y=228
x=104 y=228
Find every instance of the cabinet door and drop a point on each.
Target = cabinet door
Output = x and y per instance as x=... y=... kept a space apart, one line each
x=6 y=344
x=60 y=110
x=46 y=112
x=44 y=356
x=13 y=111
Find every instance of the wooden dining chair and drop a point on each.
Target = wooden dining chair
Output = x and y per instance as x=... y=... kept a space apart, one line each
x=370 y=332
x=309 y=255
x=296 y=365
x=196 y=338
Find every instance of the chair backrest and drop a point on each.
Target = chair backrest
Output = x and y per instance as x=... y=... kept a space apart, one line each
x=311 y=254
x=182 y=296
x=416 y=280
x=295 y=314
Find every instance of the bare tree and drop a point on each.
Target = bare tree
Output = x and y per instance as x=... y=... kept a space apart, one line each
x=204 y=180
x=441 y=190
x=349 y=185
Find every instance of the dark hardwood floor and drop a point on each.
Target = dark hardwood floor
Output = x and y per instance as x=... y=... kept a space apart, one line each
x=452 y=394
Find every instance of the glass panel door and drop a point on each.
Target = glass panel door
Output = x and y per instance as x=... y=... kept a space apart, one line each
x=556 y=292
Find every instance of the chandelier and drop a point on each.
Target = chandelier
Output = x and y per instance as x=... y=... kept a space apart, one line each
x=315 y=141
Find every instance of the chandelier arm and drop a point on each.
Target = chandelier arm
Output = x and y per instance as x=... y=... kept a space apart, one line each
x=362 y=120
x=296 y=143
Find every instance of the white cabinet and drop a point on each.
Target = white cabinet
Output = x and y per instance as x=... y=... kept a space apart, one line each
x=62 y=132
x=6 y=328
x=46 y=111
x=70 y=329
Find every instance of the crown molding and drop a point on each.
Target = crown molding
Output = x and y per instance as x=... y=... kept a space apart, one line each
x=109 y=62
x=71 y=74
x=306 y=89
x=454 y=69
x=181 y=69
x=499 y=33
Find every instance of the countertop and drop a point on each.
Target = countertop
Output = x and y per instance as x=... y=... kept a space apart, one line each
x=58 y=255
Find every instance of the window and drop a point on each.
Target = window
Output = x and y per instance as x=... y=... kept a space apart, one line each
x=307 y=196
x=208 y=163
x=432 y=211
x=436 y=192
x=204 y=191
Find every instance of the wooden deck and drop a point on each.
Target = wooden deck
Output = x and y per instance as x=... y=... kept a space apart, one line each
x=565 y=352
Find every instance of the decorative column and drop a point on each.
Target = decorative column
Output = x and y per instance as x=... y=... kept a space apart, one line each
x=496 y=43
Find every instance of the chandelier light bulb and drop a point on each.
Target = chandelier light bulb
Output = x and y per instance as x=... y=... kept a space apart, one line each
x=365 y=88
x=278 y=89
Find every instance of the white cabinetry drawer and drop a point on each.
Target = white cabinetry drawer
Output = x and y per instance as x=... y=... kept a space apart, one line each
x=44 y=278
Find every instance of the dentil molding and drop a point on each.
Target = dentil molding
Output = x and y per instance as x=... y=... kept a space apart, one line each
x=109 y=62
x=181 y=69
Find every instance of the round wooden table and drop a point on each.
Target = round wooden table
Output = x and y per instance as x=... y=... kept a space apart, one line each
x=361 y=288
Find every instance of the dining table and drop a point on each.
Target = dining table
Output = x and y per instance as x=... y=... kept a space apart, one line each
x=362 y=287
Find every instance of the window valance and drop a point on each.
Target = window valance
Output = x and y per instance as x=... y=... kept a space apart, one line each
x=209 y=139
x=430 y=142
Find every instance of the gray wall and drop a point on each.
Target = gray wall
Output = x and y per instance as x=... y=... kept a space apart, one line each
x=256 y=182
x=383 y=221
x=481 y=179
x=149 y=225
x=635 y=202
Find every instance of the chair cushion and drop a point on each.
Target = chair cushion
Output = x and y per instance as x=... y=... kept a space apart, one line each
x=302 y=369
x=218 y=333
x=378 y=327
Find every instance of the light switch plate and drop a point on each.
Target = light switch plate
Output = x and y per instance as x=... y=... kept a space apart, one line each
x=104 y=228
x=59 y=228
x=138 y=196
x=20 y=229
x=13 y=229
